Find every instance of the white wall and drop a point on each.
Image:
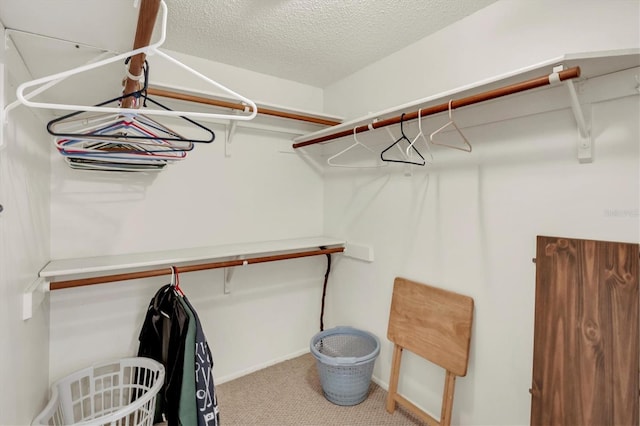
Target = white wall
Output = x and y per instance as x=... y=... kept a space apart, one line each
x=503 y=37
x=469 y=222
x=482 y=211
x=258 y=87
x=24 y=249
x=256 y=194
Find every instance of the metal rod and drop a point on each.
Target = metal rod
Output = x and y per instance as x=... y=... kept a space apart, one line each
x=59 y=285
x=473 y=99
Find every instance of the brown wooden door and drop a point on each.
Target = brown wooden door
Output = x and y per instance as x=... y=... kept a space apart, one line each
x=586 y=352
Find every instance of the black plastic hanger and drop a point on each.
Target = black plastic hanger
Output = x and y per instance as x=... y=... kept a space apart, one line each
x=397 y=142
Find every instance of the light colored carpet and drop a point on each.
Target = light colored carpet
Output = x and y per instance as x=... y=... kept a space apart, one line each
x=290 y=393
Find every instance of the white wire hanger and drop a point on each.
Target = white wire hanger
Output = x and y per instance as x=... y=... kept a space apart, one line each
x=92 y=126
x=152 y=49
x=467 y=146
x=357 y=143
x=429 y=158
x=122 y=142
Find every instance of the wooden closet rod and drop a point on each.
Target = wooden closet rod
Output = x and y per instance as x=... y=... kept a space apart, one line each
x=146 y=20
x=457 y=103
x=59 y=285
x=239 y=106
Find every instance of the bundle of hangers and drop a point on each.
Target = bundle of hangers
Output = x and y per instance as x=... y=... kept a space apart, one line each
x=122 y=141
x=404 y=149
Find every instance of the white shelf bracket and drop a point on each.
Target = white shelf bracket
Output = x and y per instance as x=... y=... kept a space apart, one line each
x=227 y=143
x=358 y=251
x=228 y=274
x=33 y=296
x=231 y=131
x=582 y=114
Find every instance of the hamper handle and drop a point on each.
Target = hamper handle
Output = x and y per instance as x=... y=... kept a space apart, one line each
x=346 y=360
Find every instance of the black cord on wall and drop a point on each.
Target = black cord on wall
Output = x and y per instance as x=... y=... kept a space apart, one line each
x=324 y=289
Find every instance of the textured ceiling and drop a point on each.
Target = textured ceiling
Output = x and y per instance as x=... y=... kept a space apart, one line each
x=311 y=41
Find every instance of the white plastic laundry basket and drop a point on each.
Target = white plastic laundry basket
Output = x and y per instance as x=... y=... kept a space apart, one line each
x=118 y=393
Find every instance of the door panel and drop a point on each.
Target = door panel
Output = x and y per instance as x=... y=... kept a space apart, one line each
x=586 y=338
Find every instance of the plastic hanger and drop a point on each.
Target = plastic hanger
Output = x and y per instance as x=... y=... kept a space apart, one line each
x=175 y=281
x=420 y=135
x=110 y=156
x=121 y=150
x=80 y=124
x=130 y=131
x=404 y=138
x=117 y=149
x=121 y=154
x=83 y=124
x=349 y=148
x=121 y=141
x=152 y=49
x=125 y=132
x=113 y=166
x=455 y=126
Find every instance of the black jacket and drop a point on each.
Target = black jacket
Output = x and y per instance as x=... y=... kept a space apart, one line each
x=162 y=338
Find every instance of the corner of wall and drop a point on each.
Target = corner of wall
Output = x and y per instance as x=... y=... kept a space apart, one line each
x=24 y=248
